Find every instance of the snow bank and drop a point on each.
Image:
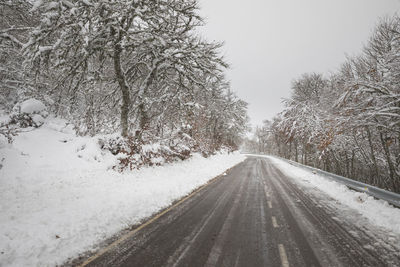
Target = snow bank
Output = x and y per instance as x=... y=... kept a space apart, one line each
x=59 y=196
x=32 y=106
x=378 y=212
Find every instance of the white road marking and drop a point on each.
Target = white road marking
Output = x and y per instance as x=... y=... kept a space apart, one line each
x=282 y=253
x=197 y=233
x=274 y=222
x=269 y=204
x=266 y=191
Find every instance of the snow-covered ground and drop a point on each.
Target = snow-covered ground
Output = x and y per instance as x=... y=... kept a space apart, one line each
x=59 y=196
x=378 y=212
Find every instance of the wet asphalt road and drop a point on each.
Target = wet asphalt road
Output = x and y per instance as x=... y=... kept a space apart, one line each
x=253 y=216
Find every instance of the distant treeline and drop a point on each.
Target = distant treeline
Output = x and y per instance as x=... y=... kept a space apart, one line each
x=347 y=123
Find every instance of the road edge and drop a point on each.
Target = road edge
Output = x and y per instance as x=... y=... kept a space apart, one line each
x=82 y=260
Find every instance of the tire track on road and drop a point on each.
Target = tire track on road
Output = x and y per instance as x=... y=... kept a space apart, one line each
x=348 y=248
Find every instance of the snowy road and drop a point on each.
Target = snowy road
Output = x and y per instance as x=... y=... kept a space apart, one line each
x=253 y=216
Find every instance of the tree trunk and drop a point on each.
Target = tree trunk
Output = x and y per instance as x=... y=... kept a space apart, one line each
x=120 y=75
x=347 y=164
x=352 y=165
x=389 y=162
x=366 y=159
x=376 y=171
x=143 y=114
x=305 y=154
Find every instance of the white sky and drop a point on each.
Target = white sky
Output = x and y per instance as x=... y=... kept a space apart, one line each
x=270 y=42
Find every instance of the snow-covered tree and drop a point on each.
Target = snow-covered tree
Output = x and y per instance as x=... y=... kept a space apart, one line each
x=15 y=23
x=349 y=123
x=140 y=60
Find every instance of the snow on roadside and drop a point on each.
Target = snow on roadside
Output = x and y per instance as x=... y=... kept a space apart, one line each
x=378 y=212
x=59 y=197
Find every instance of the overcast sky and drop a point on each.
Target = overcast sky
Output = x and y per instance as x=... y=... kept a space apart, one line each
x=270 y=42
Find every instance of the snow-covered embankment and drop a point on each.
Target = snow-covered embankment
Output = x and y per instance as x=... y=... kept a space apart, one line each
x=59 y=196
x=377 y=212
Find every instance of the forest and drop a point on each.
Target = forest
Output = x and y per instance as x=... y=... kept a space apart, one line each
x=346 y=122
x=137 y=72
